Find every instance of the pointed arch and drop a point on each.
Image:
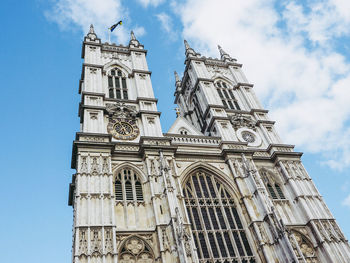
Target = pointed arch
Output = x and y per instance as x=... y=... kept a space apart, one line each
x=273 y=183
x=120 y=65
x=216 y=220
x=305 y=246
x=226 y=92
x=128 y=183
x=132 y=166
x=225 y=178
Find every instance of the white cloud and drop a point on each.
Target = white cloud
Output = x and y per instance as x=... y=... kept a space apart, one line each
x=306 y=89
x=154 y=3
x=139 y=31
x=346 y=201
x=80 y=14
x=167 y=25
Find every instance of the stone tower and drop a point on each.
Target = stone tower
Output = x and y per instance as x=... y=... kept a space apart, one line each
x=219 y=186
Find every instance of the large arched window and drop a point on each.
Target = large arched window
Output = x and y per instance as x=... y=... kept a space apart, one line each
x=217 y=229
x=117 y=88
x=226 y=95
x=128 y=186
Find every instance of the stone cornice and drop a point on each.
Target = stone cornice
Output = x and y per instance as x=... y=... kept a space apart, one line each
x=265 y=122
x=242 y=84
x=149 y=112
x=139 y=71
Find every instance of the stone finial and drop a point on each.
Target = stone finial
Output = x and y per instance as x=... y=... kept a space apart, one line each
x=224 y=55
x=189 y=50
x=222 y=52
x=132 y=35
x=92 y=30
x=187 y=46
x=133 y=41
x=91 y=36
x=177 y=79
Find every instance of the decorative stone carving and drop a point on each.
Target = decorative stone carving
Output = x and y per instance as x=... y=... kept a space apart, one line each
x=83 y=242
x=105 y=165
x=83 y=167
x=94 y=165
x=183 y=233
x=239 y=120
x=135 y=250
x=302 y=244
x=122 y=121
x=108 y=240
x=96 y=244
x=165 y=240
x=120 y=110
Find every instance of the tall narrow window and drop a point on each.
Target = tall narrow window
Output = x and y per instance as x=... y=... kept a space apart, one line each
x=117 y=87
x=279 y=191
x=216 y=226
x=272 y=191
x=128 y=186
x=226 y=95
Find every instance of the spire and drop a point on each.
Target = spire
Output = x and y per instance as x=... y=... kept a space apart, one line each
x=133 y=41
x=132 y=35
x=177 y=79
x=189 y=50
x=187 y=46
x=222 y=52
x=92 y=30
x=91 y=36
x=224 y=55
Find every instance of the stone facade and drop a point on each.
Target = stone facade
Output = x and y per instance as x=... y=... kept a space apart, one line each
x=220 y=186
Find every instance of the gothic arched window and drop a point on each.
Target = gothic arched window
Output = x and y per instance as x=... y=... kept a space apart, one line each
x=128 y=186
x=273 y=188
x=217 y=228
x=226 y=95
x=117 y=88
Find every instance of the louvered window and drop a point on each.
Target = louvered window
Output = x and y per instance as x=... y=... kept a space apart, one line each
x=217 y=229
x=226 y=95
x=272 y=191
x=128 y=186
x=118 y=190
x=117 y=88
x=279 y=191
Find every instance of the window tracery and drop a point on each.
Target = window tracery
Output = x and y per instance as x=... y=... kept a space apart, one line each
x=217 y=229
x=135 y=250
x=305 y=246
x=274 y=188
x=225 y=92
x=128 y=186
x=117 y=87
x=183 y=131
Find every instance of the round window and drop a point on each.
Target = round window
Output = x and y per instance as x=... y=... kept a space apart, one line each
x=248 y=137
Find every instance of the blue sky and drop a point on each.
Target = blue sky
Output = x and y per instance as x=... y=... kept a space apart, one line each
x=296 y=54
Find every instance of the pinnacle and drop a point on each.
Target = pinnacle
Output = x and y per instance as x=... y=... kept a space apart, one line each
x=187 y=46
x=132 y=35
x=176 y=76
x=92 y=30
x=222 y=52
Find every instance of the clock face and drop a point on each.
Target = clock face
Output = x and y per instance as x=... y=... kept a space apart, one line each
x=123 y=129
